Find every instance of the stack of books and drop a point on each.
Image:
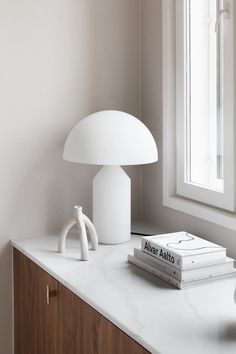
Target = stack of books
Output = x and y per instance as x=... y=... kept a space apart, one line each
x=183 y=259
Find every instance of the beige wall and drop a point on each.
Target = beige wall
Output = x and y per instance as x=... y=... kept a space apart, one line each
x=60 y=60
x=153 y=210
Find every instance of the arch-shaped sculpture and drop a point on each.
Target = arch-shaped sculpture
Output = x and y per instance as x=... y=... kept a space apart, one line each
x=82 y=221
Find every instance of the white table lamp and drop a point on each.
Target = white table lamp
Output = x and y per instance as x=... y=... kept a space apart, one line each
x=111 y=139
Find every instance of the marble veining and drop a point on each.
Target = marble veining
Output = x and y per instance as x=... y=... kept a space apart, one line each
x=163 y=319
x=191 y=305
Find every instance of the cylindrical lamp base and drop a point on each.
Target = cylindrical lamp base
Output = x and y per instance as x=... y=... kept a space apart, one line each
x=112 y=205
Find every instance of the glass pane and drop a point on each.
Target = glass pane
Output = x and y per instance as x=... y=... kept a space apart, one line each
x=204 y=143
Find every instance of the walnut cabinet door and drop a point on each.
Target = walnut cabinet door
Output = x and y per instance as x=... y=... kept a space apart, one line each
x=82 y=330
x=35 y=308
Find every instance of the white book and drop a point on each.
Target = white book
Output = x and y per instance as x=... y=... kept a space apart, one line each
x=178 y=284
x=182 y=250
x=198 y=272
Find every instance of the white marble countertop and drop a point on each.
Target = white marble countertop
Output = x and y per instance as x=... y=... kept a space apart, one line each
x=163 y=319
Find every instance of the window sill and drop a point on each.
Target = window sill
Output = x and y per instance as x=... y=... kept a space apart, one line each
x=204 y=212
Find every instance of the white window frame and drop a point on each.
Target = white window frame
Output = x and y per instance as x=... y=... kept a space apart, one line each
x=171 y=169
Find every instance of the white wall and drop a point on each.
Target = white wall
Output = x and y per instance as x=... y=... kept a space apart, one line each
x=60 y=60
x=153 y=210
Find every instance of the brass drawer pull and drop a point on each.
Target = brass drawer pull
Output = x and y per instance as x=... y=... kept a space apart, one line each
x=49 y=294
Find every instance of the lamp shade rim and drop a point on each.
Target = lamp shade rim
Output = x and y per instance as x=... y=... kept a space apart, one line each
x=110 y=138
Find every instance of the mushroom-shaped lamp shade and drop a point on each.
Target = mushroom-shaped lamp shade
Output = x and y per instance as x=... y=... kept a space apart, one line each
x=111 y=139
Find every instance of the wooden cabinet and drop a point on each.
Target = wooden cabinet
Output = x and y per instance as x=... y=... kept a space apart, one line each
x=35 y=322
x=50 y=319
x=82 y=330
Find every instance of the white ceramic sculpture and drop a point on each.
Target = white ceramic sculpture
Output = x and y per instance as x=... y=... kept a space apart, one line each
x=82 y=221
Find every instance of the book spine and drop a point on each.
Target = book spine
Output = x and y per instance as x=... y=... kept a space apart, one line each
x=161 y=253
x=154 y=271
x=156 y=263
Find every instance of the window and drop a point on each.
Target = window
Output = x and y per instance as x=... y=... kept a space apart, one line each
x=204 y=101
x=204 y=118
x=198 y=108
